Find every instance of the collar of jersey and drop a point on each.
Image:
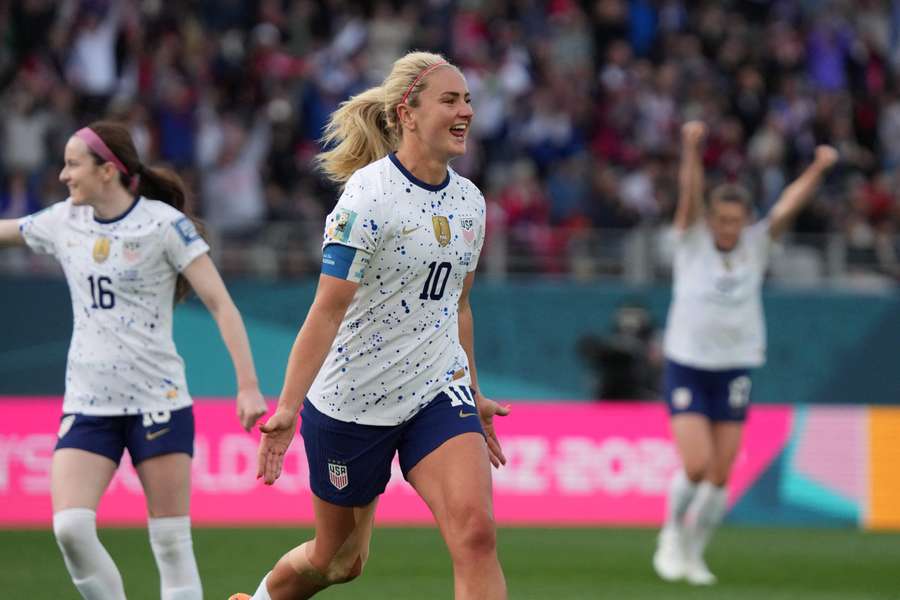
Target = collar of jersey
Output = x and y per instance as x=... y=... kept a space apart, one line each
x=120 y=217
x=416 y=180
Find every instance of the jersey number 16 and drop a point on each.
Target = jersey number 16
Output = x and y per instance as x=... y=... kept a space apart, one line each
x=102 y=296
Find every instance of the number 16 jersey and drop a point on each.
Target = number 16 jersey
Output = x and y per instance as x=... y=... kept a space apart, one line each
x=121 y=275
x=409 y=245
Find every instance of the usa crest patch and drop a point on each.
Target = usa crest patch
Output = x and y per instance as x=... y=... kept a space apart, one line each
x=337 y=475
x=467 y=224
x=131 y=251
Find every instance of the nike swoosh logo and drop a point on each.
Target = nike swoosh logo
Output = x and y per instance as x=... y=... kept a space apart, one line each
x=465 y=414
x=406 y=231
x=152 y=435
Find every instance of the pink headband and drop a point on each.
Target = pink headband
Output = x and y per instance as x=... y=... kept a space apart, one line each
x=97 y=144
x=424 y=72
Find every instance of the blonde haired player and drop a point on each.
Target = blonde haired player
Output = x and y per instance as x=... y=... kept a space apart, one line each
x=715 y=335
x=385 y=357
x=128 y=251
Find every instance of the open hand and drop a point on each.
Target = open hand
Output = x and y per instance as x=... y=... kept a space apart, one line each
x=277 y=434
x=487 y=409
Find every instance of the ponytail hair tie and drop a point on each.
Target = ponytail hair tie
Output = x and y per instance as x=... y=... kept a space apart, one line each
x=135 y=183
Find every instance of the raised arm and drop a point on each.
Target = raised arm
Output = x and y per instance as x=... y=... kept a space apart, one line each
x=333 y=297
x=487 y=408
x=10 y=234
x=690 y=175
x=798 y=193
x=208 y=284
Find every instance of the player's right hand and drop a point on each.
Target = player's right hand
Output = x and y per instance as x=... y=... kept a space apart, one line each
x=277 y=434
x=250 y=407
x=692 y=133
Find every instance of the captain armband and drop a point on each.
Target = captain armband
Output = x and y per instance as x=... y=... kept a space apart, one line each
x=344 y=262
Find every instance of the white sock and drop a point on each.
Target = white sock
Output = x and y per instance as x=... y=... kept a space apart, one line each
x=681 y=492
x=170 y=539
x=262 y=592
x=704 y=515
x=92 y=568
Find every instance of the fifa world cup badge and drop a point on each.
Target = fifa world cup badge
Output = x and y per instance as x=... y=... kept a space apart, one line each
x=342 y=225
x=101 y=249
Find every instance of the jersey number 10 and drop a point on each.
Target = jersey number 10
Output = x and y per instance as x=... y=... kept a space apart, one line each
x=101 y=296
x=436 y=282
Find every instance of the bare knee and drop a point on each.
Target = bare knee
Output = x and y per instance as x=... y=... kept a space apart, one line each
x=344 y=571
x=342 y=567
x=697 y=469
x=718 y=475
x=473 y=535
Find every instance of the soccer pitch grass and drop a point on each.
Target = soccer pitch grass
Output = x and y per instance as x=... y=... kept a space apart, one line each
x=545 y=564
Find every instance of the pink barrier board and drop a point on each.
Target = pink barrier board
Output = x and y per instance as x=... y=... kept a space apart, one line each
x=569 y=463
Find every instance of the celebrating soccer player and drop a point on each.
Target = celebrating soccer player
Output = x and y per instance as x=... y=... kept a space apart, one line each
x=714 y=336
x=384 y=362
x=128 y=253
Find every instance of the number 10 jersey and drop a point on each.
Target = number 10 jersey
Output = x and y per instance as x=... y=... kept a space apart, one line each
x=409 y=245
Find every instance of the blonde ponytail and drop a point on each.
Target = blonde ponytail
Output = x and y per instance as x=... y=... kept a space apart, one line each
x=360 y=134
x=365 y=128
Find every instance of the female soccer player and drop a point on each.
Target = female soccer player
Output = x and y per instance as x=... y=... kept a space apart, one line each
x=385 y=357
x=126 y=250
x=715 y=336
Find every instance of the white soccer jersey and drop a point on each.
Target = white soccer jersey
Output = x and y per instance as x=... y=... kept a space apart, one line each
x=121 y=275
x=398 y=345
x=716 y=318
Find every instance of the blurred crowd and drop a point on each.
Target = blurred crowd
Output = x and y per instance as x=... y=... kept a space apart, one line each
x=578 y=103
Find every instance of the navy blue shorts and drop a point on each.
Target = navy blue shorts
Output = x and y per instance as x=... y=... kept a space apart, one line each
x=145 y=435
x=350 y=463
x=719 y=395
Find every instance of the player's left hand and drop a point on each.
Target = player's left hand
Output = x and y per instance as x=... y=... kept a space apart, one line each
x=250 y=407
x=487 y=410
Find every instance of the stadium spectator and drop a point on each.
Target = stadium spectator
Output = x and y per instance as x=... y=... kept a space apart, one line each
x=554 y=79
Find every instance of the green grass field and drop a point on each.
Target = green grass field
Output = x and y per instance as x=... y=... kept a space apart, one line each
x=544 y=564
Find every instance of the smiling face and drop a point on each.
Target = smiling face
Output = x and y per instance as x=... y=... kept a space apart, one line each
x=440 y=122
x=81 y=173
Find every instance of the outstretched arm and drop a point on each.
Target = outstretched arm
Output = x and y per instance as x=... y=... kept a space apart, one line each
x=10 y=234
x=798 y=193
x=208 y=284
x=333 y=297
x=690 y=175
x=487 y=408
